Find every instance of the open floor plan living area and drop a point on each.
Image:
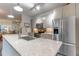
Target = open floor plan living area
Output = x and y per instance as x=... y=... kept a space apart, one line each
x=39 y=29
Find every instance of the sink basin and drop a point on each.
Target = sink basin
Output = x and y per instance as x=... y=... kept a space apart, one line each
x=28 y=38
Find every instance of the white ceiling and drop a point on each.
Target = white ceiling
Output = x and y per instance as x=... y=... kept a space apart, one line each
x=7 y=8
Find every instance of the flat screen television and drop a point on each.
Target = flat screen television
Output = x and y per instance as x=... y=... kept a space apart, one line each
x=39 y=25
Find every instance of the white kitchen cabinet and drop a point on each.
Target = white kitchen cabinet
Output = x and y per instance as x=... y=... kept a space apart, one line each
x=58 y=13
x=46 y=35
x=49 y=16
x=68 y=49
x=8 y=50
x=69 y=31
x=77 y=28
x=69 y=10
x=77 y=9
x=54 y=14
x=68 y=36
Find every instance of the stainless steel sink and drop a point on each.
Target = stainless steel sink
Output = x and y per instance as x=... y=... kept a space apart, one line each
x=28 y=38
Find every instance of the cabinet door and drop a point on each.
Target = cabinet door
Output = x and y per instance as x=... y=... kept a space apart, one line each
x=77 y=9
x=68 y=49
x=8 y=50
x=69 y=30
x=69 y=10
x=58 y=13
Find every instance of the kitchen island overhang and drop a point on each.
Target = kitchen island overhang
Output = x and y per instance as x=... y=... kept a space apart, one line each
x=13 y=46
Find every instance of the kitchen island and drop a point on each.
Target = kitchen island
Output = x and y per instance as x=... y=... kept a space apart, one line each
x=13 y=46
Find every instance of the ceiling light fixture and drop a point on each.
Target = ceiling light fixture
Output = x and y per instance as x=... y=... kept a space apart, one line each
x=29 y=5
x=10 y=16
x=43 y=18
x=38 y=7
x=18 y=8
x=10 y=13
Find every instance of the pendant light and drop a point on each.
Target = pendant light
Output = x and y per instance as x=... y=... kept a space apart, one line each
x=18 y=8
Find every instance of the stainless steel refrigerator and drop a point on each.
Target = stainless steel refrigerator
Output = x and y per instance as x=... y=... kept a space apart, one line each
x=66 y=34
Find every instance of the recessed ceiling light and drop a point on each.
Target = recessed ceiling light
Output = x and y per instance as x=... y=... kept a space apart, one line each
x=10 y=16
x=43 y=18
x=18 y=8
x=38 y=7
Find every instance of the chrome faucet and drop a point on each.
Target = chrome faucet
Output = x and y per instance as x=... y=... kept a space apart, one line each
x=20 y=32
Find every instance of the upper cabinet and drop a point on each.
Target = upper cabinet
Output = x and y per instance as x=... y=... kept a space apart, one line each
x=77 y=9
x=69 y=10
x=57 y=13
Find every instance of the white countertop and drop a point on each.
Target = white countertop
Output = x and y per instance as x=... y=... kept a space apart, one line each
x=37 y=47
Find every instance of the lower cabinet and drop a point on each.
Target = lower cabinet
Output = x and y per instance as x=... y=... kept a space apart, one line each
x=46 y=35
x=68 y=49
x=8 y=50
